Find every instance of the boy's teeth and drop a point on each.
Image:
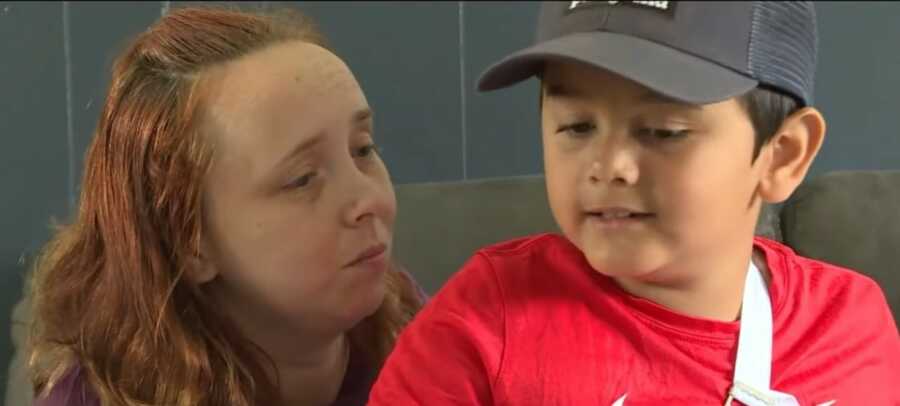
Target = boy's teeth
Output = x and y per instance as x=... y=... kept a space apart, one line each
x=615 y=215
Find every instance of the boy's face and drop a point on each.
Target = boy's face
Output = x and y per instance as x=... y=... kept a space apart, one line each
x=641 y=184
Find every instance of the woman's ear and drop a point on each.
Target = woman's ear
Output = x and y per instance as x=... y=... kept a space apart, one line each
x=200 y=268
x=791 y=152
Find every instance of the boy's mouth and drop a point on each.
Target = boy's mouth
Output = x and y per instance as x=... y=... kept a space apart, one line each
x=617 y=213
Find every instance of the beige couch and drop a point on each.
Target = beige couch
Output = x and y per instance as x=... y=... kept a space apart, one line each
x=847 y=218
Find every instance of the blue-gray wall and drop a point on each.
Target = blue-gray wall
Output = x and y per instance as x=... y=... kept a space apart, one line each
x=417 y=63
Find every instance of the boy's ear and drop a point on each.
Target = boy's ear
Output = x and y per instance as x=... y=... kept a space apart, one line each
x=791 y=152
x=200 y=268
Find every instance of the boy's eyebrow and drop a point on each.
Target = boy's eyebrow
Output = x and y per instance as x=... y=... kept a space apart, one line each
x=651 y=97
x=560 y=90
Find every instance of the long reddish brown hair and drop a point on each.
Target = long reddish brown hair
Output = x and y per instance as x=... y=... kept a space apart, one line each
x=108 y=290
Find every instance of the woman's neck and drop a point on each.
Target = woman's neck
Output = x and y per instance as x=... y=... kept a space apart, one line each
x=313 y=375
x=309 y=366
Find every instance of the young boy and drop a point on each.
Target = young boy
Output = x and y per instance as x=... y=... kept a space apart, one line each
x=666 y=126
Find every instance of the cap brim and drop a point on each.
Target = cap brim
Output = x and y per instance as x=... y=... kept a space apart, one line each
x=670 y=72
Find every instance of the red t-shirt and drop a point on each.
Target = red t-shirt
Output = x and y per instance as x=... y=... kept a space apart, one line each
x=528 y=322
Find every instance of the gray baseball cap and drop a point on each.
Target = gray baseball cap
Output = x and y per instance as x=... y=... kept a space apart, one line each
x=694 y=51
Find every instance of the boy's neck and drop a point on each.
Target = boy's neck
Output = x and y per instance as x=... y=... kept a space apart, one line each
x=713 y=288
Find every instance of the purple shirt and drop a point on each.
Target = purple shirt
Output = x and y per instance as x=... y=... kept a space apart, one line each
x=73 y=390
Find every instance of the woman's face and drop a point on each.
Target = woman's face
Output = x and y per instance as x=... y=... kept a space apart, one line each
x=299 y=207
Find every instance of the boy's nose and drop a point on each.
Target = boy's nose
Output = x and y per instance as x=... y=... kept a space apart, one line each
x=614 y=163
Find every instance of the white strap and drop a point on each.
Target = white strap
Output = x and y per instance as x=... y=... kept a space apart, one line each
x=753 y=366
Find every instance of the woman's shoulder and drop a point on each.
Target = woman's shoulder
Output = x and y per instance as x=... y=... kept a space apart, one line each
x=70 y=390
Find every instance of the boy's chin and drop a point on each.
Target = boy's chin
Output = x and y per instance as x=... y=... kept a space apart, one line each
x=637 y=261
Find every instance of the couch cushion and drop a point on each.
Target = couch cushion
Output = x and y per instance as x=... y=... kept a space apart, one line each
x=850 y=219
x=440 y=225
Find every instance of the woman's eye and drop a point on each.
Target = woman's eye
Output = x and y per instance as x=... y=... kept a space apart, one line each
x=302 y=181
x=365 y=151
x=579 y=129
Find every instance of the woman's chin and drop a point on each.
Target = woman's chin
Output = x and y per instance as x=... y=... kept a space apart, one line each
x=363 y=304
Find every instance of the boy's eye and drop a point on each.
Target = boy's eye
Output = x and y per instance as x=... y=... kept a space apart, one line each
x=661 y=133
x=365 y=151
x=579 y=129
x=302 y=181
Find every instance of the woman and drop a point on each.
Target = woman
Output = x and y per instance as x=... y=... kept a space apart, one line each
x=232 y=246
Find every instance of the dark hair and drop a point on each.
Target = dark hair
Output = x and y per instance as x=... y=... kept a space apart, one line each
x=767 y=108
